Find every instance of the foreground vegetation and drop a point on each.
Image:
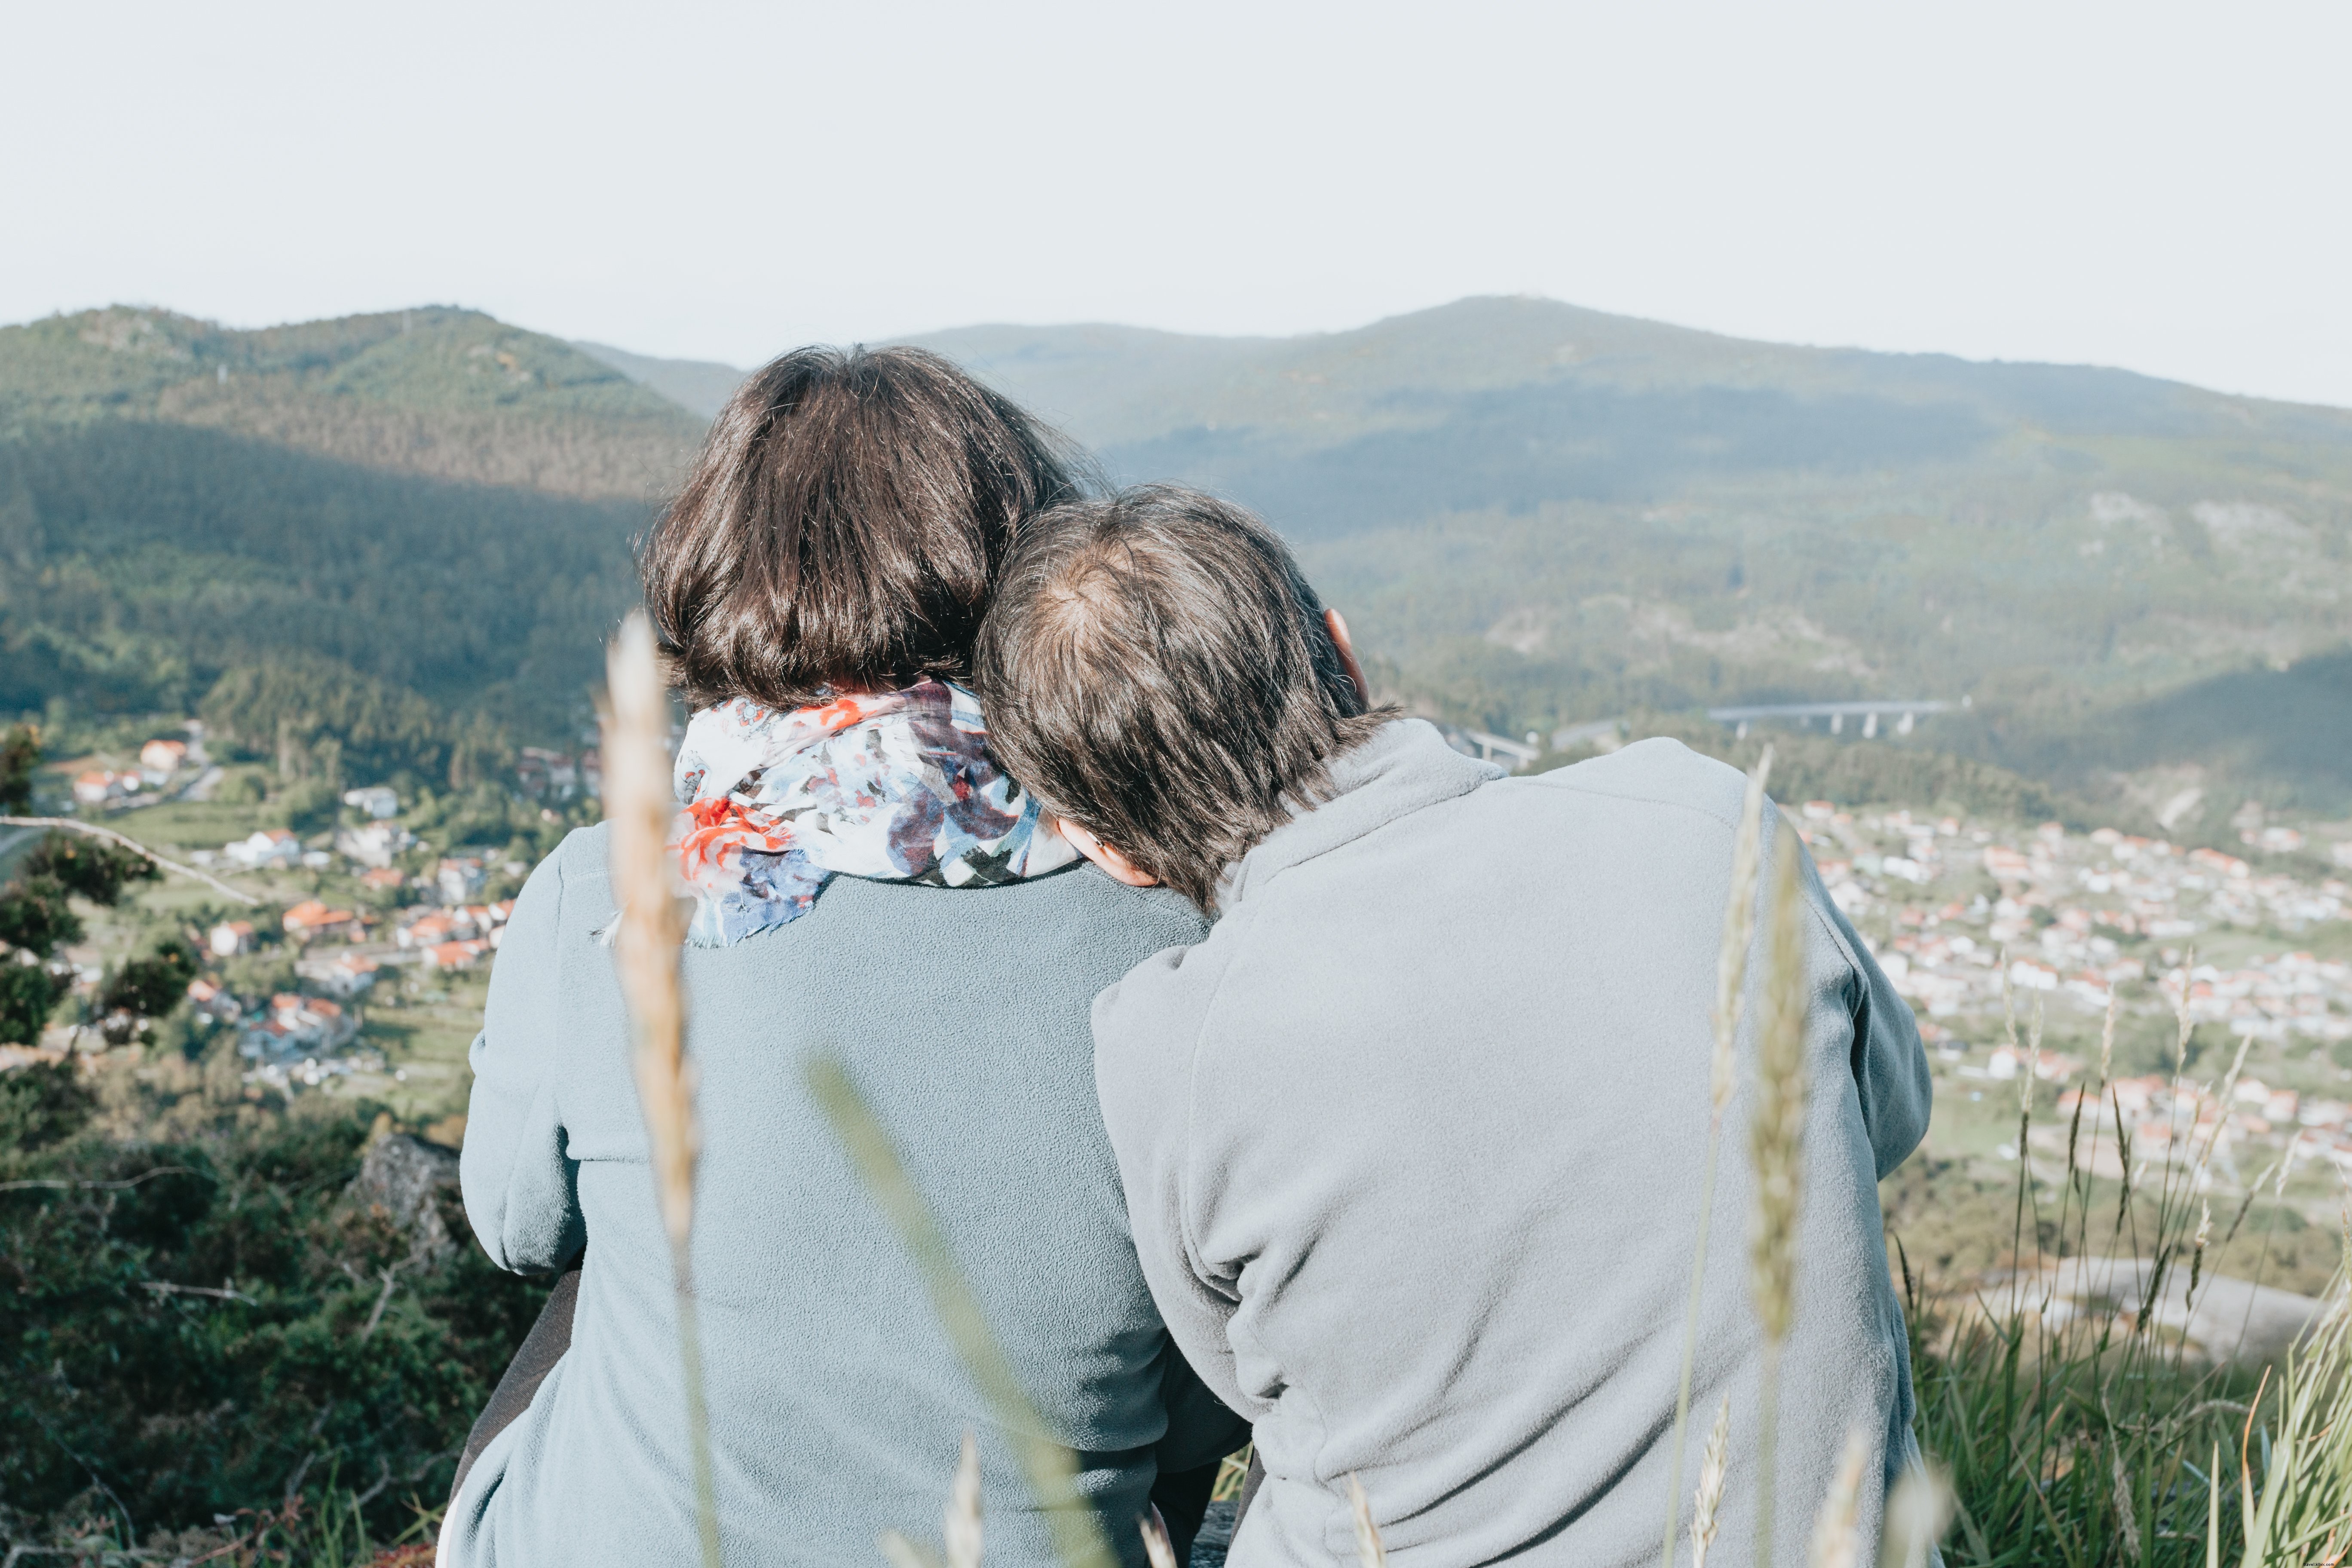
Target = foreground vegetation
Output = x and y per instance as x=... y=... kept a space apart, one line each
x=221 y=1314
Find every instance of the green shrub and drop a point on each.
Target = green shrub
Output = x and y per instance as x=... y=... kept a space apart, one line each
x=151 y=986
x=196 y=1325
x=30 y=993
x=41 y=1104
x=91 y=867
x=36 y=917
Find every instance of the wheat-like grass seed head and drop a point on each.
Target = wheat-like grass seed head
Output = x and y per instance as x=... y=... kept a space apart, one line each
x=1776 y=1125
x=1708 y=1503
x=1157 y=1550
x=1370 y=1553
x=1919 y=1510
x=640 y=805
x=962 y=1524
x=1837 y=1529
x=1738 y=929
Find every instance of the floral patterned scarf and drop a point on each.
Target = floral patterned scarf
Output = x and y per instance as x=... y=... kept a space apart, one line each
x=897 y=786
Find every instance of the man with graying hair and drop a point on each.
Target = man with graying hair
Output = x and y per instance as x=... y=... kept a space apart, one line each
x=1412 y=1141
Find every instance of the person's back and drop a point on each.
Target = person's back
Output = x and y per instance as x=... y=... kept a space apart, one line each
x=1446 y=1057
x=837 y=1402
x=866 y=883
x=1413 y=1143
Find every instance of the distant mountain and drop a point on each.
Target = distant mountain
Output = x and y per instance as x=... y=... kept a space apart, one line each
x=449 y=393
x=423 y=512
x=701 y=385
x=1536 y=514
x=1540 y=514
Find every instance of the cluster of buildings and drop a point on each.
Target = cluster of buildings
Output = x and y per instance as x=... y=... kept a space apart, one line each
x=1954 y=909
x=455 y=937
x=555 y=775
x=2258 y=1130
x=161 y=763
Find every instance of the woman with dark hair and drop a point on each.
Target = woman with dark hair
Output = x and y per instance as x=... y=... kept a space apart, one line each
x=868 y=883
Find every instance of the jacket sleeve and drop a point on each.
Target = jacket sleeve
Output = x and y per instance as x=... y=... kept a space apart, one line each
x=1146 y=1030
x=1889 y=1064
x=520 y=1186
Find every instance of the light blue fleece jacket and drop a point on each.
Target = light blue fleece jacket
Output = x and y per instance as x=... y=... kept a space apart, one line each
x=1412 y=1146
x=837 y=1405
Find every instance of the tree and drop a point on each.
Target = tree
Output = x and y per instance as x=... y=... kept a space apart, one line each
x=20 y=754
x=35 y=918
x=152 y=986
x=89 y=867
x=29 y=993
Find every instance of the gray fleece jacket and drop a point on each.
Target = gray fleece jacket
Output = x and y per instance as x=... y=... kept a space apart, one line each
x=837 y=1402
x=1411 y=1146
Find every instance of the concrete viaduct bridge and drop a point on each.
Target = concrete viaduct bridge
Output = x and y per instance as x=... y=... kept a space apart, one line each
x=1514 y=754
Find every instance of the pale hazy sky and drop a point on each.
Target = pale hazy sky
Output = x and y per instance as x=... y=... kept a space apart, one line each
x=2158 y=186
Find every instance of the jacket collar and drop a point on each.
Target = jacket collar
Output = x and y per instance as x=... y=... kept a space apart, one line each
x=1404 y=766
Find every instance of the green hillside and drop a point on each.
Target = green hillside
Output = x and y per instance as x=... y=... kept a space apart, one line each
x=448 y=393
x=406 y=533
x=1540 y=514
x=1536 y=514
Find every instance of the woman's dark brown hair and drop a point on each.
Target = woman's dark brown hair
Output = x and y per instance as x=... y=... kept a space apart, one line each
x=842 y=529
x=1157 y=669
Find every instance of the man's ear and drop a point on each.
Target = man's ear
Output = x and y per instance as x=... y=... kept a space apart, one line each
x=1336 y=624
x=1116 y=866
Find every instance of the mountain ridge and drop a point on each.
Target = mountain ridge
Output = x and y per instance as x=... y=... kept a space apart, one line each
x=434 y=390
x=1537 y=514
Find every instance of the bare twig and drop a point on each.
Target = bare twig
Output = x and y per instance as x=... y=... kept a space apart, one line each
x=102 y=1186
x=391 y=1282
x=163 y=1288
x=91 y=829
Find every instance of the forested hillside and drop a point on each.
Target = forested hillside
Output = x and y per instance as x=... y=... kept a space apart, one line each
x=1540 y=514
x=1537 y=514
x=402 y=537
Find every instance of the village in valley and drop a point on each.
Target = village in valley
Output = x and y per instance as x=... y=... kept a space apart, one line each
x=2076 y=964
x=362 y=968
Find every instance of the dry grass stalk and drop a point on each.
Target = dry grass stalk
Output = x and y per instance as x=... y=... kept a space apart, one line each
x=1370 y=1553
x=1918 y=1511
x=2126 y=1507
x=1738 y=929
x=901 y=1552
x=2107 y=1036
x=639 y=804
x=1707 y=1504
x=2197 y=1256
x=1730 y=988
x=1157 y=1550
x=962 y=1524
x=1776 y=1137
x=1837 y=1529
